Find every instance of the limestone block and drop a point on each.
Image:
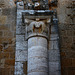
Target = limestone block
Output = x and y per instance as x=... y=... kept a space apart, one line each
x=68 y=11
x=21 y=55
x=11 y=20
x=13 y=27
x=19 y=68
x=54 y=55
x=6 y=11
x=20 y=29
x=54 y=66
x=3 y=19
x=21 y=45
x=8 y=33
x=56 y=46
x=53 y=45
x=20 y=38
x=54 y=37
x=4 y=55
x=63 y=32
x=12 y=62
x=55 y=73
x=19 y=14
x=19 y=22
x=12 y=55
x=70 y=32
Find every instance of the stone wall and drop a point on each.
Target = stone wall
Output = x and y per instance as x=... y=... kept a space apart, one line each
x=66 y=17
x=21 y=44
x=54 y=52
x=66 y=27
x=7 y=37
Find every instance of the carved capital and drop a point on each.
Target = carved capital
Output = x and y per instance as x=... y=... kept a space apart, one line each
x=37 y=27
x=37 y=22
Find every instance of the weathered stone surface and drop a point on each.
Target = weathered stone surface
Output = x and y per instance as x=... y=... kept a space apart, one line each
x=19 y=14
x=19 y=68
x=39 y=52
x=54 y=55
x=1 y=47
x=55 y=73
x=21 y=45
x=34 y=42
x=9 y=62
x=6 y=11
x=7 y=71
x=9 y=48
x=38 y=73
x=20 y=29
x=20 y=38
x=37 y=56
x=8 y=34
x=54 y=37
x=1 y=33
x=3 y=19
x=37 y=46
x=4 y=55
x=53 y=45
x=19 y=22
x=66 y=29
x=20 y=5
x=7 y=59
x=54 y=66
x=21 y=55
x=68 y=62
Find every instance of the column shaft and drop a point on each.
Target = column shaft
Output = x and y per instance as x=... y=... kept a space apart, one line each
x=37 y=56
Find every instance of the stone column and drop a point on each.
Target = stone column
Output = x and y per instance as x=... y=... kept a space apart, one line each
x=37 y=35
x=37 y=56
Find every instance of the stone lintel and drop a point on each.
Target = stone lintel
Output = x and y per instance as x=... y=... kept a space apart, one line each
x=37 y=12
x=33 y=14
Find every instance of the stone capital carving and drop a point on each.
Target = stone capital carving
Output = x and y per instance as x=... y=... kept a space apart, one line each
x=37 y=27
x=37 y=22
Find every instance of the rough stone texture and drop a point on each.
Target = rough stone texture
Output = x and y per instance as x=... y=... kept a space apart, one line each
x=19 y=68
x=54 y=53
x=7 y=40
x=66 y=31
x=37 y=51
x=21 y=52
x=7 y=37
